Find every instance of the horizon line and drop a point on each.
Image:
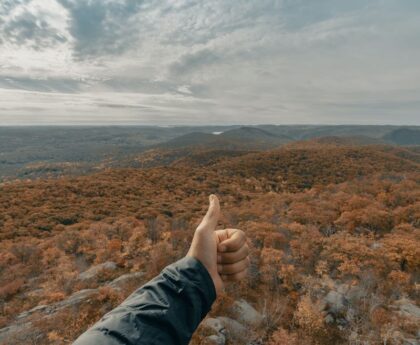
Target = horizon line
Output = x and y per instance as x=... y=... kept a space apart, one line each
x=206 y=125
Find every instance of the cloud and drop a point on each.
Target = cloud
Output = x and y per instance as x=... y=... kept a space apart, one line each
x=42 y=85
x=191 y=62
x=123 y=106
x=33 y=23
x=100 y=27
x=27 y=28
x=186 y=61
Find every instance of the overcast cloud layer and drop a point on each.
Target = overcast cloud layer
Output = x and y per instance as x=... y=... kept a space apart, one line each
x=171 y=62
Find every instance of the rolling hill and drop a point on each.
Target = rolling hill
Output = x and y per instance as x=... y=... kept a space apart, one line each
x=34 y=152
x=404 y=136
x=243 y=138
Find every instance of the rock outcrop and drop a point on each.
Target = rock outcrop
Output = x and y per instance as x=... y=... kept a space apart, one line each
x=240 y=329
x=22 y=328
x=408 y=308
x=247 y=314
x=93 y=271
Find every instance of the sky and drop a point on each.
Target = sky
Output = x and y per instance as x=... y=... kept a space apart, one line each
x=187 y=62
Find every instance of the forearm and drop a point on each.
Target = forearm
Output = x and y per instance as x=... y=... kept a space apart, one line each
x=167 y=310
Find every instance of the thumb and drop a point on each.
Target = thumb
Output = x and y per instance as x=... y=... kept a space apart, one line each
x=211 y=218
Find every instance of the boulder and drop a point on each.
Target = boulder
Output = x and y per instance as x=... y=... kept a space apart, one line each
x=329 y=319
x=219 y=338
x=94 y=270
x=125 y=278
x=407 y=308
x=336 y=302
x=214 y=324
x=232 y=326
x=216 y=339
x=246 y=313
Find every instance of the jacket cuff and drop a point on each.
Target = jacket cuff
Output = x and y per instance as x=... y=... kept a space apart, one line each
x=196 y=273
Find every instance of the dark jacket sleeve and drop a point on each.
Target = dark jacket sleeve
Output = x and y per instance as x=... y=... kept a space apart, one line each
x=167 y=310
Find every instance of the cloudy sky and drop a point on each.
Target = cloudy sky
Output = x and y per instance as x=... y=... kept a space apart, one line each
x=172 y=62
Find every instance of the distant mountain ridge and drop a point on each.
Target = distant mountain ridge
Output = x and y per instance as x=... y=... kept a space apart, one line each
x=404 y=136
x=239 y=138
x=32 y=152
x=270 y=136
x=255 y=133
x=339 y=141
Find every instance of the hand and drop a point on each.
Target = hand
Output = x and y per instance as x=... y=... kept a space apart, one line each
x=224 y=253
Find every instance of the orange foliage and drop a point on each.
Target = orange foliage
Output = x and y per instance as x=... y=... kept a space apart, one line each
x=317 y=218
x=281 y=336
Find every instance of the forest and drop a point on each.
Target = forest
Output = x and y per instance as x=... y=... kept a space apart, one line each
x=333 y=227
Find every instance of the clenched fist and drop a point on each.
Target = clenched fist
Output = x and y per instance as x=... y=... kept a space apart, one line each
x=223 y=252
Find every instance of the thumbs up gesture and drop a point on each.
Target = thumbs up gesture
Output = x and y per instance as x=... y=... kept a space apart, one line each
x=224 y=253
